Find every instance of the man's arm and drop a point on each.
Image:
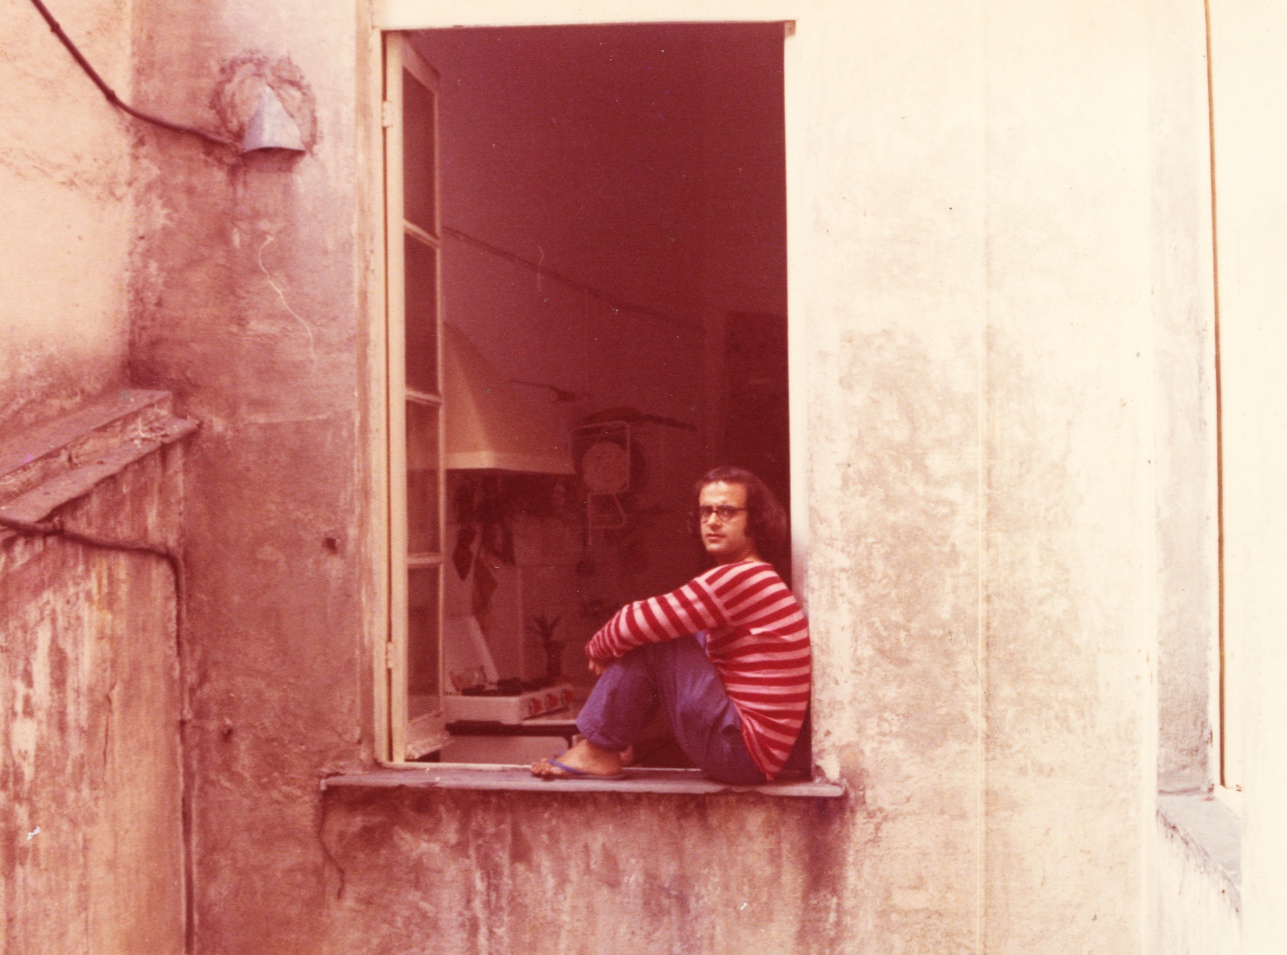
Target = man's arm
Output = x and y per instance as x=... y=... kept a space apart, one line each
x=681 y=612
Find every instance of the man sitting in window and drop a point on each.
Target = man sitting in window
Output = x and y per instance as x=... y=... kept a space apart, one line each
x=725 y=657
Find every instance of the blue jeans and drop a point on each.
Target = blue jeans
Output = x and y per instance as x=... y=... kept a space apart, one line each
x=678 y=676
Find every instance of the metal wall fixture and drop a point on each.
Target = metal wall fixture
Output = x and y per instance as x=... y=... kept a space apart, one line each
x=271 y=127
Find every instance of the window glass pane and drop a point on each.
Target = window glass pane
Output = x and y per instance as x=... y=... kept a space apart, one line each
x=418 y=150
x=422 y=639
x=422 y=316
x=423 y=479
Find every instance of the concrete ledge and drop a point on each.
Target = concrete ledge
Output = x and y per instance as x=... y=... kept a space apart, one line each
x=679 y=782
x=47 y=466
x=1212 y=833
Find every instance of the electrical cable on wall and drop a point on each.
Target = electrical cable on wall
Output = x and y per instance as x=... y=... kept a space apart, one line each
x=111 y=94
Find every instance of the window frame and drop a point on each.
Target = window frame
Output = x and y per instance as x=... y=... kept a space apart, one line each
x=422 y=733
x=394 y=17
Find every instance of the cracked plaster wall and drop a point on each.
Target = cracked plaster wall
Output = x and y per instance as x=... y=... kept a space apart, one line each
x=977 y=326
x=246 y=305
x=89 y=752
x=90 y=775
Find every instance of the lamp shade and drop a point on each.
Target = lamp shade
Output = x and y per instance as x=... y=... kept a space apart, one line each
x=488 y=426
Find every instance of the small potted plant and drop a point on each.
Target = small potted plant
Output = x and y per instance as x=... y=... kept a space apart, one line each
x=544 y=628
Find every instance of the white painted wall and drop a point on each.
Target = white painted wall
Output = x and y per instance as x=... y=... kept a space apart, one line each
x=997 y=296
x=1195 y=913
x=1251 y=133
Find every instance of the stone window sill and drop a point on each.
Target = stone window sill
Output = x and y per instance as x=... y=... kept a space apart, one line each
x=1212 y=834
x=678 y=782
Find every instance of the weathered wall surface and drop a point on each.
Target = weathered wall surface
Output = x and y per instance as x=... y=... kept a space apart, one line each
x=1184 y=444
x=977 y=319
x=65 y=179
x=891 y=306
x=488 y=873
x=1194 y=917
x=246 y=306
x=1197 y=896
x=1067 y=590
x=1003 y=314
x=986 y=602
x=90 y=763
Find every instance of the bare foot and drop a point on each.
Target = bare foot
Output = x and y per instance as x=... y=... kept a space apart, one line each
x=590 y=759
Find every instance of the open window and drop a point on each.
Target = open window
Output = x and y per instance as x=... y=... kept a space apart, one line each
x=587 y=309
x=413 y=257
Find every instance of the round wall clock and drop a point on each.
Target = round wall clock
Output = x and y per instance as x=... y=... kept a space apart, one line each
x=605 y=468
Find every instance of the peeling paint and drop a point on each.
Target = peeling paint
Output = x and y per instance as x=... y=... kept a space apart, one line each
x=89 y=752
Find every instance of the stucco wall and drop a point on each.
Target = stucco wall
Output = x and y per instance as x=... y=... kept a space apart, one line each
x=495 y=873
x=1067 y=592
x=985 y=608
x=65 y=179
x=998 y=289
x=247 y=307
x=973 y=298
x=90 y=762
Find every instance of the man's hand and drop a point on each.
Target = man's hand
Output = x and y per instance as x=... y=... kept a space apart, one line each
x=597 y=668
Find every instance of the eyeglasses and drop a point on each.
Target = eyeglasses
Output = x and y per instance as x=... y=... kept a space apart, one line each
x=726 y=512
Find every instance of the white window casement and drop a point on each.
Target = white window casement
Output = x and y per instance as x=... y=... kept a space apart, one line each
x=409 y=685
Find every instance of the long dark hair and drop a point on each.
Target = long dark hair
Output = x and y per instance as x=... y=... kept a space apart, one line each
x=766 y=519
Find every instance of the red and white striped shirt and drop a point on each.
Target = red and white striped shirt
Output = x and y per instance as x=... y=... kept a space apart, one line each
x=759 y=643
